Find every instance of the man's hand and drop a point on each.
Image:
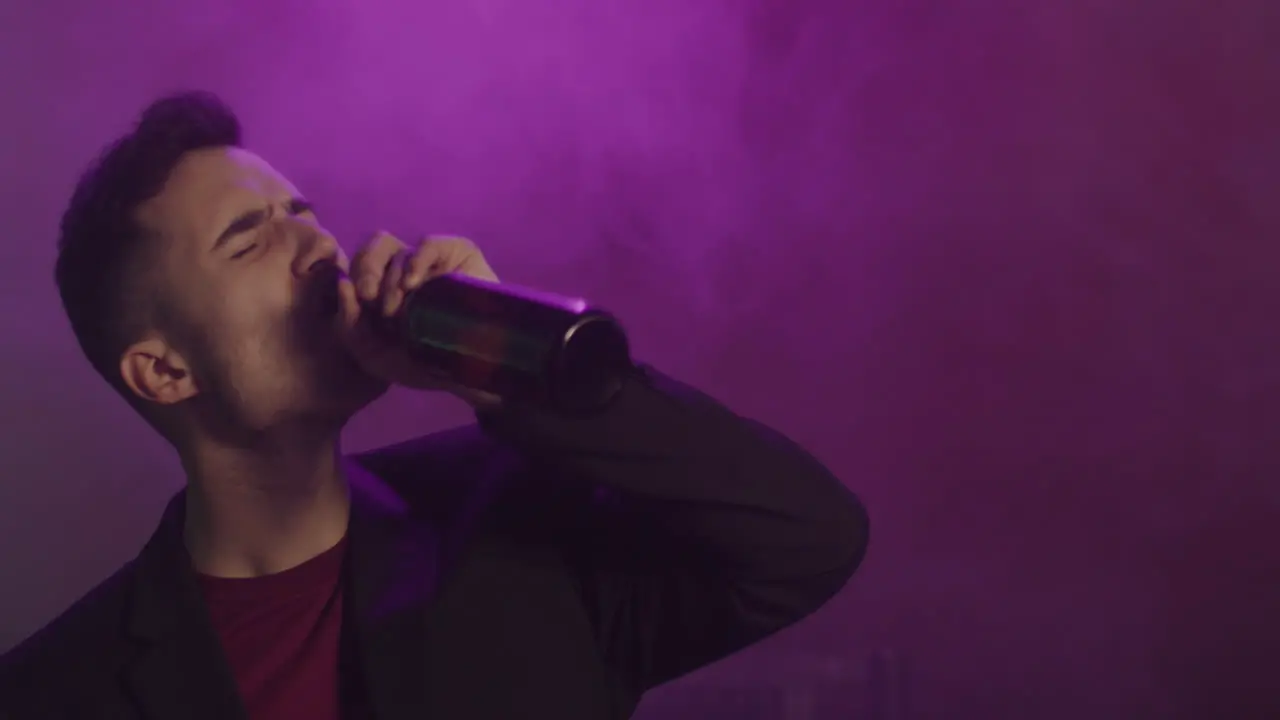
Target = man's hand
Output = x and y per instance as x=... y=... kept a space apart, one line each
x=382 y=273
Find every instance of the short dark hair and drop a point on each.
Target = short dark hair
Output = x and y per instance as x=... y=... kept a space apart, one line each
x=102 y=248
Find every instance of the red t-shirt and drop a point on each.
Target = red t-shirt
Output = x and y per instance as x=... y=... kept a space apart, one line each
x=281 y=634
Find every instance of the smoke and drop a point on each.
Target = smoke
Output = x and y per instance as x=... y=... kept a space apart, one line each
x=1006 y=266
x=553 y=133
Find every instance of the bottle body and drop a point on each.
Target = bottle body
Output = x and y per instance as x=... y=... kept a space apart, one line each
x=522 y=345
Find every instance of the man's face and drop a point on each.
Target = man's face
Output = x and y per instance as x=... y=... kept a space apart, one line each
x=247 y=278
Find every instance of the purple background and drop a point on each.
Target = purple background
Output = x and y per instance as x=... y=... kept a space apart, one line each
x=1008 y=266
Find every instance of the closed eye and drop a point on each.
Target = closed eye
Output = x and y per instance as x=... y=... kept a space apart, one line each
x=252 y=219
x=243 y=251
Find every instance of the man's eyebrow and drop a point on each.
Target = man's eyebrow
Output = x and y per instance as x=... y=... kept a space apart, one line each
x=245 y=222
x=253 y=218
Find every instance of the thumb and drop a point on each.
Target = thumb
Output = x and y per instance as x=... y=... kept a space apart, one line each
x=352 y=325
x=348 y=317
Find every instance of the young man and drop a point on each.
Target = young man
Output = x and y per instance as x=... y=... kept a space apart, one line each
x=537 y=565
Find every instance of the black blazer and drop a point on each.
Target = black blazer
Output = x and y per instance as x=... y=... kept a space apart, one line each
x=536 y=566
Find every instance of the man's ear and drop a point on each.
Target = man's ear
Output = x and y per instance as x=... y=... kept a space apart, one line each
x=156 y=372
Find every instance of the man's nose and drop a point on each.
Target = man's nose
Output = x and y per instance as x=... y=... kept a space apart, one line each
x=317 y=251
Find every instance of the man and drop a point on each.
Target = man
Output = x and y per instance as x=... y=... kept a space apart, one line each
x=537 y=565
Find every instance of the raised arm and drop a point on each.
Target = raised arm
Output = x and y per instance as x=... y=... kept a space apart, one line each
x=723 y=531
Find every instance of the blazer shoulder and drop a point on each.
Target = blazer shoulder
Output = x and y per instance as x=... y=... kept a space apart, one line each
x=75 y=644
x=442 y=473
x=445 y=452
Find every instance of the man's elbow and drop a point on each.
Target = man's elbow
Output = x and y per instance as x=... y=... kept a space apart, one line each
x=852 y=535
x=817 y=571
x=823 y=564
x=843 y=537
x=836 y=523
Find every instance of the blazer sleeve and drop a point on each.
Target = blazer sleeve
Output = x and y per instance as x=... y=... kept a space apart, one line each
x=722 y=531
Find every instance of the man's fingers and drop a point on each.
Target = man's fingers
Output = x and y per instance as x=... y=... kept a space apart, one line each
x=437 y=255
x=348 y=305
x=391 y=293
x=419 y=267
x=384 y=271
x=370 y=264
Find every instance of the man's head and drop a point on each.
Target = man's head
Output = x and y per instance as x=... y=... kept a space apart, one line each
x=199 y=283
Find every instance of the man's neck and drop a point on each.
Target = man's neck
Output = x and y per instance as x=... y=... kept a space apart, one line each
x=252 y=512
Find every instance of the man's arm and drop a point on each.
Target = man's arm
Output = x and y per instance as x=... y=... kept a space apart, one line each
x=735 y=532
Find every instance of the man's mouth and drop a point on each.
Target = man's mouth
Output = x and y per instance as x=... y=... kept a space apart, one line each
x=329 y=302
x=322 y=293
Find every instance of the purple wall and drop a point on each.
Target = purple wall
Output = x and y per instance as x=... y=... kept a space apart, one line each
x=1008 y=266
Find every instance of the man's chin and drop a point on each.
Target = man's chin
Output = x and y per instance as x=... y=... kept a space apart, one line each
x=358 y=388
x=339 y=387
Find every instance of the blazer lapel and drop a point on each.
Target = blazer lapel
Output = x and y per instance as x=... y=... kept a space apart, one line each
x=393 y=571
x=179 y=670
